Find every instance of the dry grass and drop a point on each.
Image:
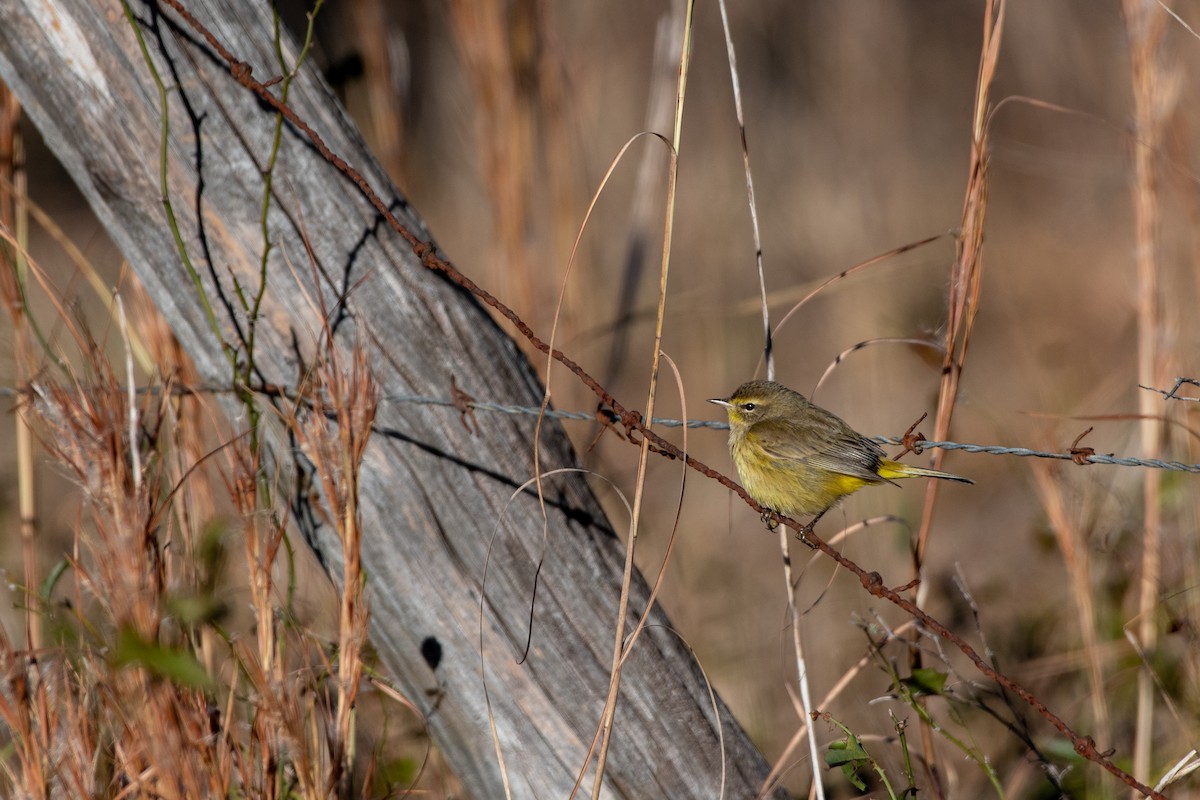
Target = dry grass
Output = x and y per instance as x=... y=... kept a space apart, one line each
x=868 y=129
x=151 y=681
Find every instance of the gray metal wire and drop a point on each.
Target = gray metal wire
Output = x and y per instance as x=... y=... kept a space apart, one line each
x=987 y=449
x=993 y=450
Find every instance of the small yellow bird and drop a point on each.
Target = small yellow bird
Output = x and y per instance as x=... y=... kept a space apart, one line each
x=798 y=459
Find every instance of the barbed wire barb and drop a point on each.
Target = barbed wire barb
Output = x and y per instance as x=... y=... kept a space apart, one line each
x=1172 y=393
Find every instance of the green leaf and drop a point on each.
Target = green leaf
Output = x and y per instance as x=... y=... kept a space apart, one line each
x=845 y=752
x=177 y=666
x=852 y=775
x=849 y=755
x=52 y=579
x=926 y=681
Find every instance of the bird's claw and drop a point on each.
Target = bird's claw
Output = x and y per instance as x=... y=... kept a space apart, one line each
x=803 y=533
x=771 y=520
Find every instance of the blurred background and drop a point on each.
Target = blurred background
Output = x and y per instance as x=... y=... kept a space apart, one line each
x=499 y=120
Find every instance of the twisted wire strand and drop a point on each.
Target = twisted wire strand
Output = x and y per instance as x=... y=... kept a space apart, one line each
x=989 y=449
x=1094 y=458
x=517 y=410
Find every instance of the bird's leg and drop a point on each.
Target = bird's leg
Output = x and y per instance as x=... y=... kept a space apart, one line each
x=770 y=519
x=804 y=532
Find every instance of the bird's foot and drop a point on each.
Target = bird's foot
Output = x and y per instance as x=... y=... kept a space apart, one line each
x=804 y=533
x=770 y=519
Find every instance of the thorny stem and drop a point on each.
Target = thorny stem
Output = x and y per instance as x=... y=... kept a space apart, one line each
x=633 y=421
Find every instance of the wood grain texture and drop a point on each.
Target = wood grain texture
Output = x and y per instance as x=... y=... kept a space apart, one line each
x=433 y=495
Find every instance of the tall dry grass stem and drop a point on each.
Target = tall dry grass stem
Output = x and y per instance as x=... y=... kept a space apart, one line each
x=1144 y=27
x=966 y=281
x=751 y=202
x=610 y=703
x=334 y=434
x=14 y=217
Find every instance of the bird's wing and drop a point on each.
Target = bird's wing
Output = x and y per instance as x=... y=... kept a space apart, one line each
x=825 y=442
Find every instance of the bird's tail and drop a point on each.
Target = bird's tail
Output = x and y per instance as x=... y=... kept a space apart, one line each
x=891 y=470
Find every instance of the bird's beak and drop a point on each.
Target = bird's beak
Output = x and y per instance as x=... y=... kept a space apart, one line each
x=724 y=403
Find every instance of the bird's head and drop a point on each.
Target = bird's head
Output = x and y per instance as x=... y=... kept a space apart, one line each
x=754 y=401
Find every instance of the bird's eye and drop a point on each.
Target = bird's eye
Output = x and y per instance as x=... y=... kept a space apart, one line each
x=749 y=406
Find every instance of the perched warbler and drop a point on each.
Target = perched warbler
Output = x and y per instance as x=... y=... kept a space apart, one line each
x=798 y=459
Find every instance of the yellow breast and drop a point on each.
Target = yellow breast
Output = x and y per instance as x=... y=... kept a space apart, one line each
x=788 y=487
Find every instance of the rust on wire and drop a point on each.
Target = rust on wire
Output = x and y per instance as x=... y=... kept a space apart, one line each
x=912 y=438
x=1080 y=455
x=631 y=420
x=464 y=404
